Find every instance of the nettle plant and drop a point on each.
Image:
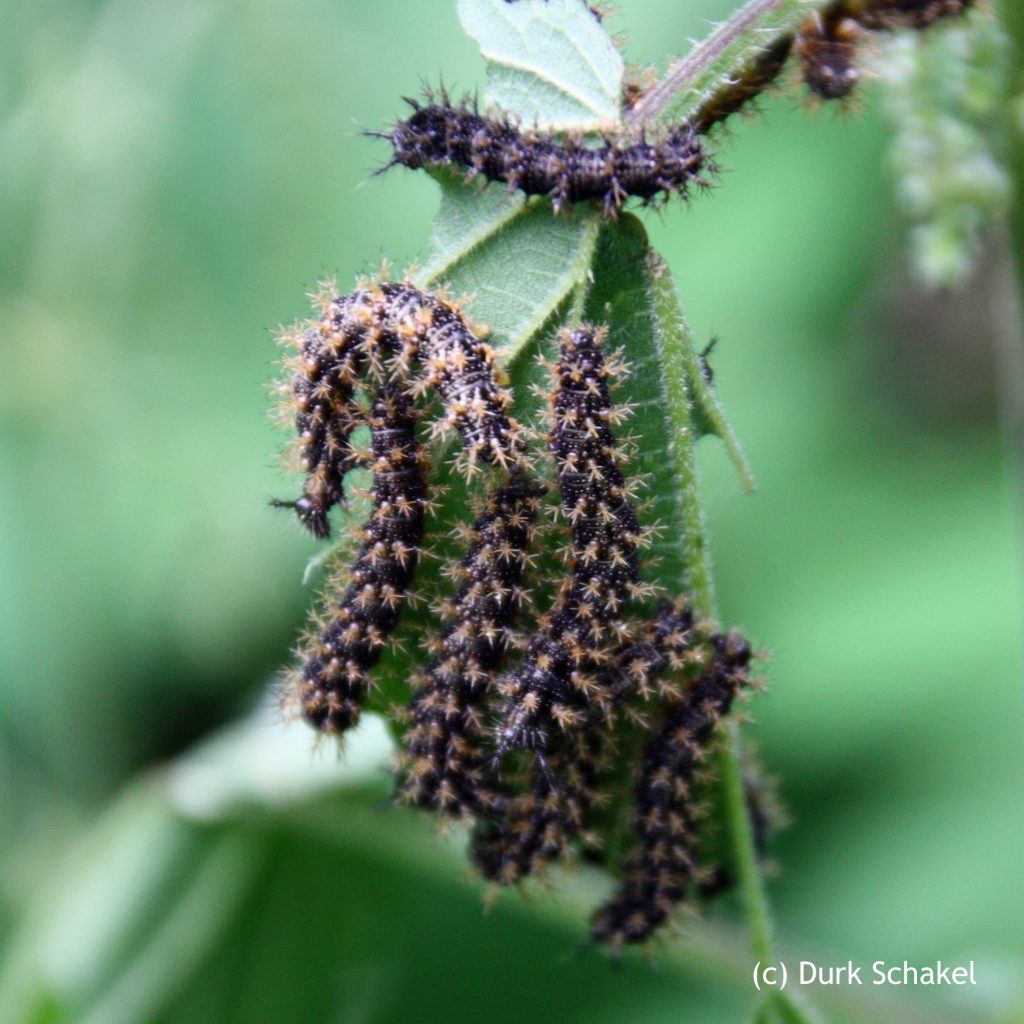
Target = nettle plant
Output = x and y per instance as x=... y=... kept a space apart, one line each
x=529 y=491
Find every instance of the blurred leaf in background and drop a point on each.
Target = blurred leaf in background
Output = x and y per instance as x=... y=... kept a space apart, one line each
x=174 y=177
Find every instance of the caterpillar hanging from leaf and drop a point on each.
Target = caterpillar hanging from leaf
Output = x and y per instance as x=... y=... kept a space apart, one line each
x=446 y=765
x=393 y=341
x=659 y=871
x=539 y=825
x=559 y=686
x=331 y=685
x=387 y=329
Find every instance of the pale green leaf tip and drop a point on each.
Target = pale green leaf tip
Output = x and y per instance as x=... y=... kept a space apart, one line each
x=551 y=62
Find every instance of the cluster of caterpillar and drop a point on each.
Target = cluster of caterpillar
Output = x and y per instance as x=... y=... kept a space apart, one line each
x=539 y=825
x=392 y=341
x=442 y=133
x=382 y=331
x=828 y=42
x=525 y=754
x=564 y=665
x=523 y=757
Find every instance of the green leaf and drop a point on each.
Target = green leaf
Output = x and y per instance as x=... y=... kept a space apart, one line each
x=513 y=261
x=140 y=901
x=634 y=293
x=550 y=63
x=136 y=906
x=680 y=362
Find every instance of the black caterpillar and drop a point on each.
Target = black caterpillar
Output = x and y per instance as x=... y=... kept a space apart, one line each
x=331 y=686
x=539 y=826
x=442 y=133
x=648 y=666
x=737 y=93
x=828 y=41
x=322 y=395
x=558 y=686
x=446 y=766
x=887 y=15
x=381 y=333
x=659 y=871
x=827 y=48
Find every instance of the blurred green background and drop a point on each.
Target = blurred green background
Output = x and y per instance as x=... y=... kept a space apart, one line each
x=173 y=178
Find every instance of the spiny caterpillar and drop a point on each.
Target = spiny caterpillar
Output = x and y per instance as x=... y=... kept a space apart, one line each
x=740 y=90
x=442 y=133
x=539 y=825
x=888 y=15
x=828 y=41
x=558 y=686
x=331 y=685
x=827 y=48
x=647 y=667
x=382 y=332
x=659 y=871
x=416 y=325
x=445 y=765
x=322 y=395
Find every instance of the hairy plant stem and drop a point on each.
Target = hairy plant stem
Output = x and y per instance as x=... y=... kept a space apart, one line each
x=748 y=870
x=673 y=338
x=718 y=58
x=677 y=355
